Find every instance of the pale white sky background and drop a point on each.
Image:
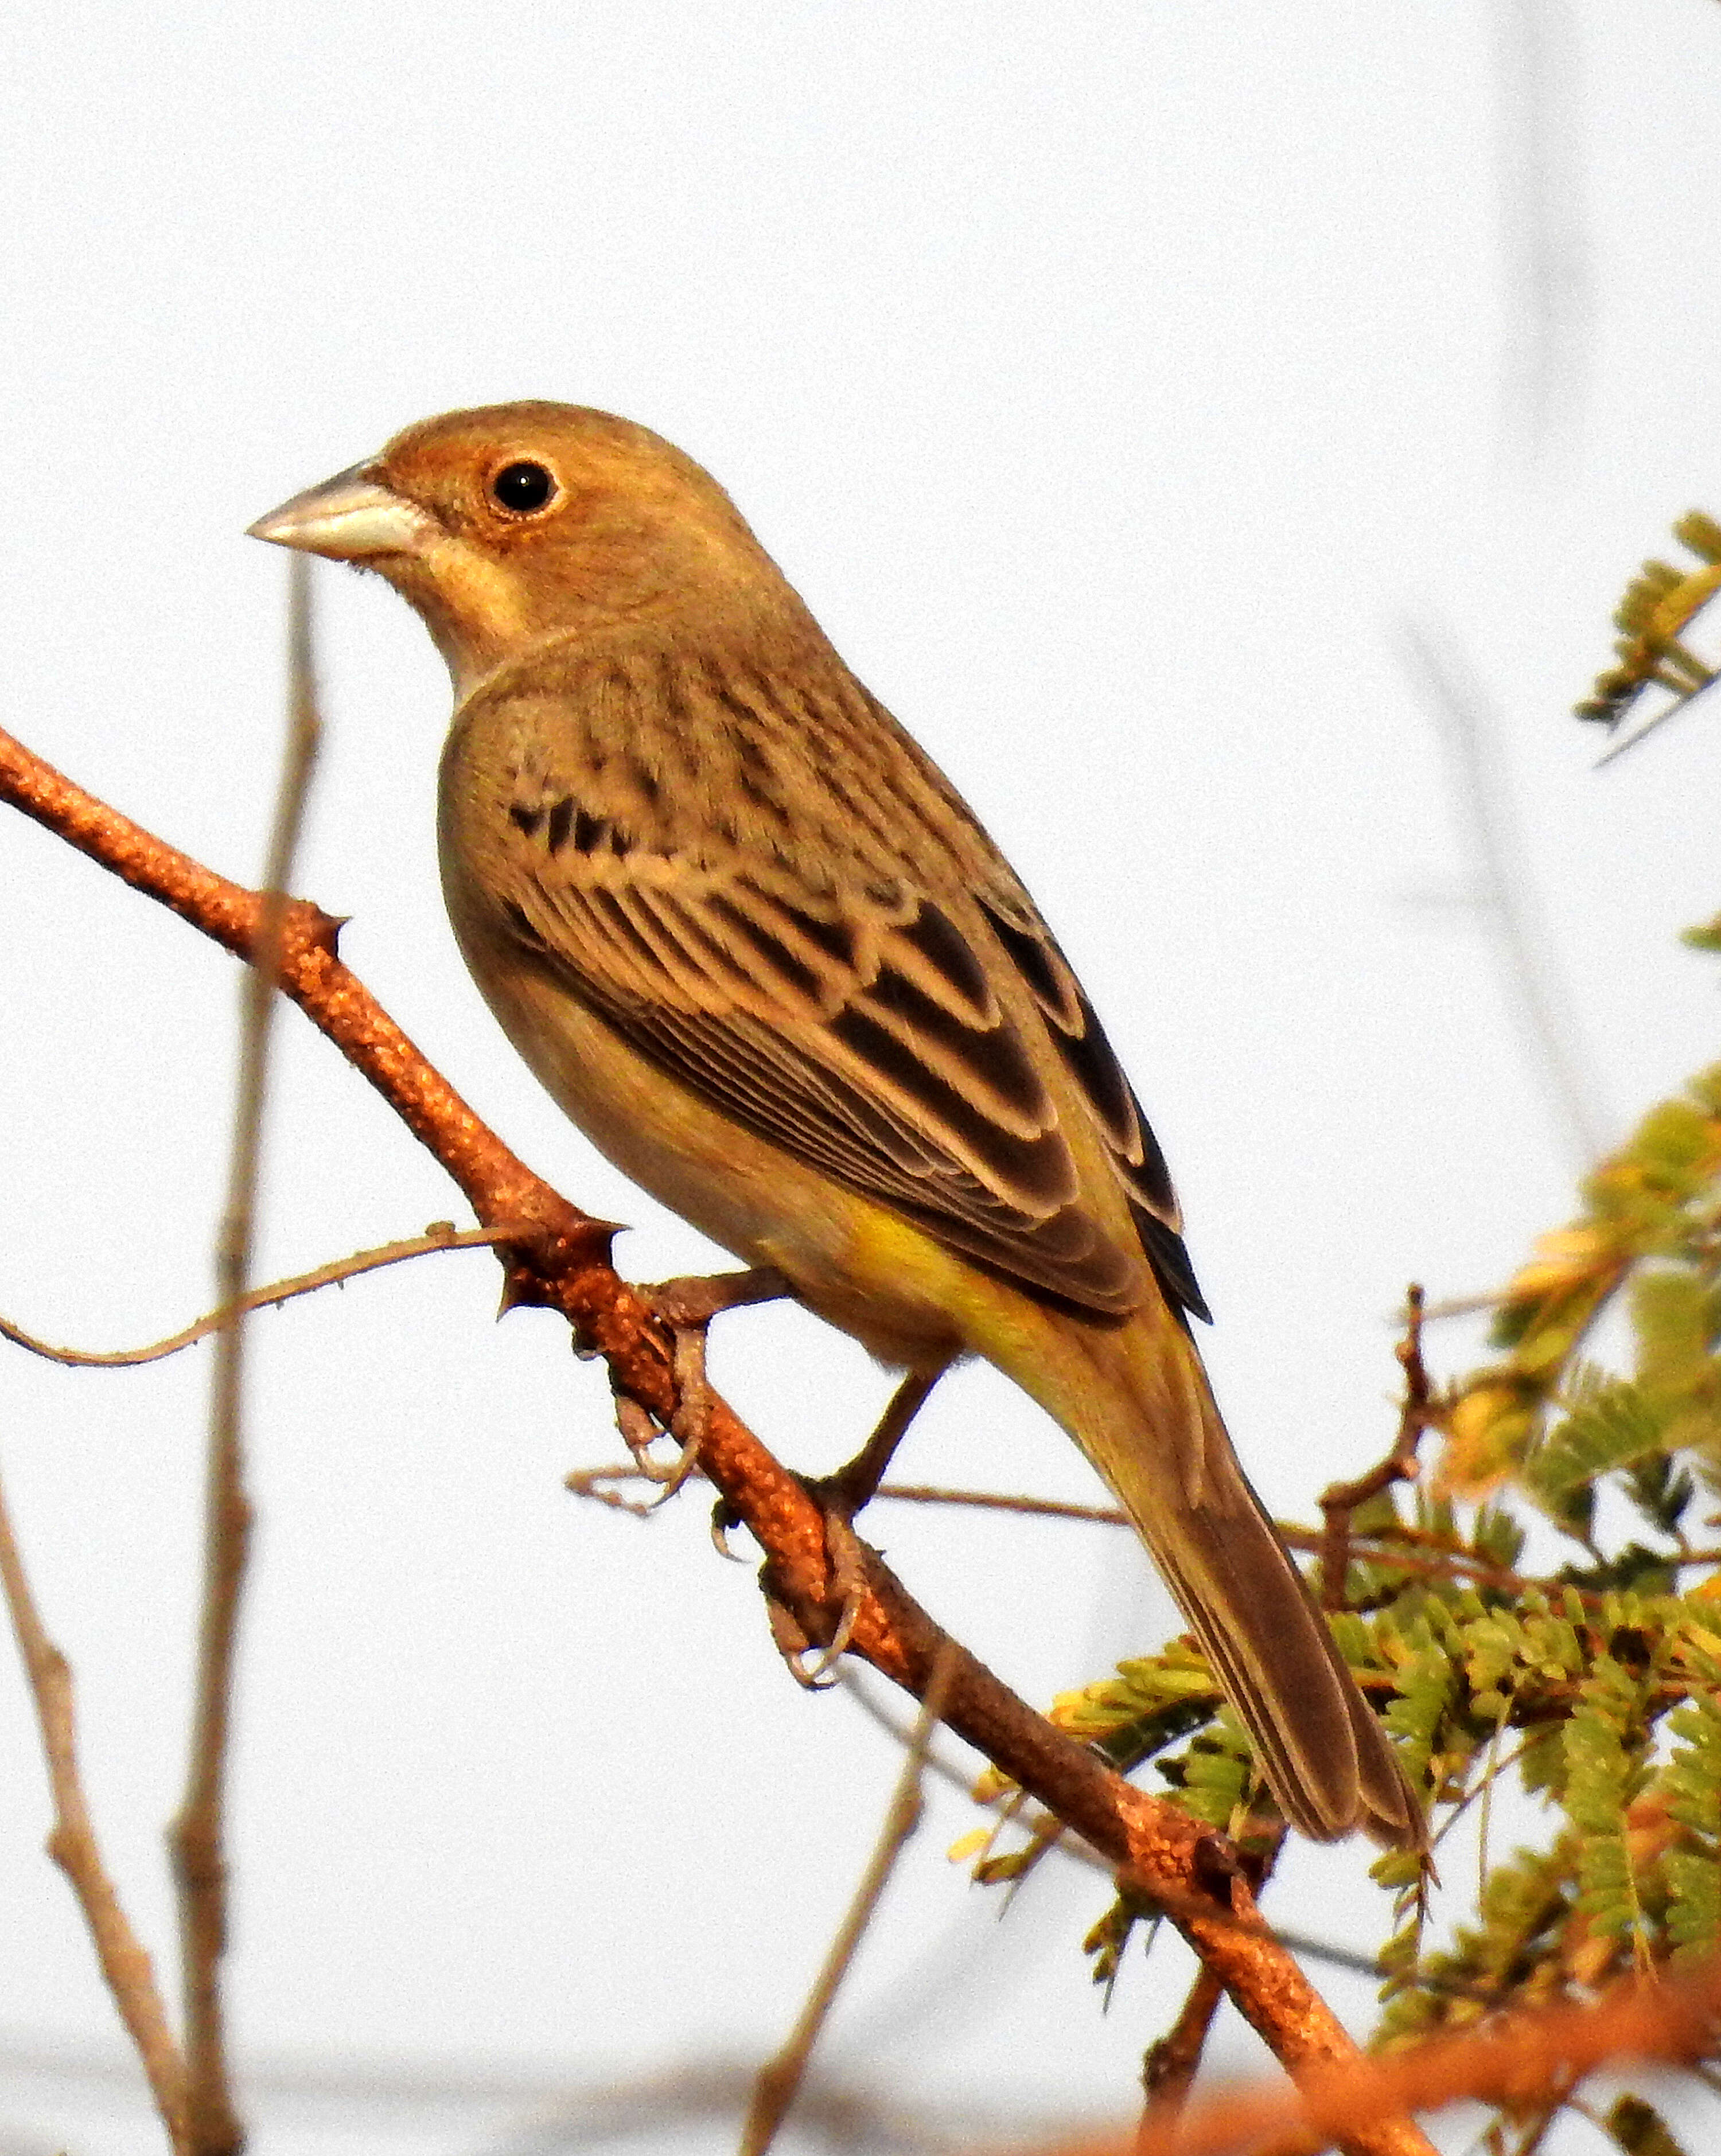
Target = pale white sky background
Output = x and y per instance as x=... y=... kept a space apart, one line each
x=1114 y=380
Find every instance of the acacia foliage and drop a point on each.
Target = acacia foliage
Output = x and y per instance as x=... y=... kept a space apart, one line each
x=1594 y=1680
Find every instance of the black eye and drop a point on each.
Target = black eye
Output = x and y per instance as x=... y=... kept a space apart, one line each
x=523 y=487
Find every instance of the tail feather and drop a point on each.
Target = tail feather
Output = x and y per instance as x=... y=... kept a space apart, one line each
x=1158 y=1440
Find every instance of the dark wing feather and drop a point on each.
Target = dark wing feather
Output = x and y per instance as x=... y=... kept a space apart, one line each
x=866 y=1039
x=1135 y=1152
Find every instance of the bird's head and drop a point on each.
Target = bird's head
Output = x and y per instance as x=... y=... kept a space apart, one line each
x=513 y=522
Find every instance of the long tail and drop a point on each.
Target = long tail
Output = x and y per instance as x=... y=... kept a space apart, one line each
x=1147 y=1419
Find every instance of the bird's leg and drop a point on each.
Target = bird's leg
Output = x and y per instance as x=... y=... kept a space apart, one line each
x=842 y=1495
x=856 y=1485
x=689 y=1302
x=688 y=1305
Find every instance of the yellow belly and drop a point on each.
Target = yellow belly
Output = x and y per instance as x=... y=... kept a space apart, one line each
x=859 y=1266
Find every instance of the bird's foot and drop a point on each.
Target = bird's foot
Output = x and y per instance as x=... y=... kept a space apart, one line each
x=640 y=1429
x=686 y=1305
x=847 y=1554
x=840 y=1497
x=689 y=1302
x=848 y=1579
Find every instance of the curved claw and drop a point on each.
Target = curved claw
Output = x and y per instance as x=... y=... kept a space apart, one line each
x=822 y=1674
x=848 y=1573
x=724 y=1521
x=821 y=1677
x=678 y=1474
x=790 y=1638
x=639 y=1431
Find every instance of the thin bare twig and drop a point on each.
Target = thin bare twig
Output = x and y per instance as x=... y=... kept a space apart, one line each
x=1429 y=1563
x=126 y=1966
x=542 y=2111
x=198 y=1835
x=993 y=1500
x=1170 y=2070
x=1681 y=702
x=442 y=1236
x=1340 y=1499
x=782 y=2077
x=1470 y=727
x=1547 y=283
x=592 y=1481
x=900 y=1732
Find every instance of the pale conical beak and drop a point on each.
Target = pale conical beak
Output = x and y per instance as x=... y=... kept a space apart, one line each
x=349 y=518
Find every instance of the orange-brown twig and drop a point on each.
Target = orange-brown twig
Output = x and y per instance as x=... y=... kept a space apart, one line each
x=560 y=1261
x=1517 y=2061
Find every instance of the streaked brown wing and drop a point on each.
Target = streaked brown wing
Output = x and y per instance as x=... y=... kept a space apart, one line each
x=862 y=1035
x=1071 y=1022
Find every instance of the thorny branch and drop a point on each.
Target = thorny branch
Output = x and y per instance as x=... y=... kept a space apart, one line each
x=440 y=1235
x=560 y=1261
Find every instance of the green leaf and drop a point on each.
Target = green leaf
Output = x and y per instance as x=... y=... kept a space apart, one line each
x=1660 y=1490
x=1611 y=1423
x=1218 y=1774
x=1693 y=1914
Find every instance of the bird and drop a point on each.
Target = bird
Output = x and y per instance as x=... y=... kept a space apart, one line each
x=756 y=945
